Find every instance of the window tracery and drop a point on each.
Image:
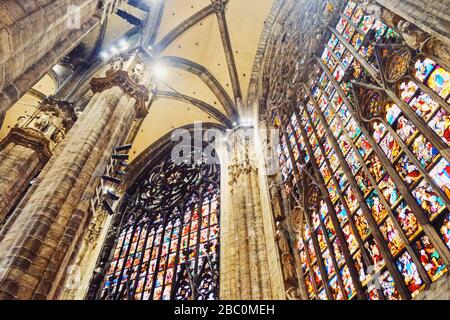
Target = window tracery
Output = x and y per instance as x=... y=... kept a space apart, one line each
x=168 y=240
x=385 y=171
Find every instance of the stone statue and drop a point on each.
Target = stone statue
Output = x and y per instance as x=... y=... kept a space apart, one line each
x=413 y=36
x=281 y=238
x=437 y=48
x=58 y=136
x=292 y=294
x=427 y=44
x=276 y=201
x=137 y=72
x=287 y=260
x=42 y=122
x=116 y=65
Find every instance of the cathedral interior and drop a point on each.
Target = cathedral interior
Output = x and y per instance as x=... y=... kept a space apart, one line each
x=224 y=149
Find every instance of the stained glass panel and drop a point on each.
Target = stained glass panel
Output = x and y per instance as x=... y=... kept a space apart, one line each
x=177 y=233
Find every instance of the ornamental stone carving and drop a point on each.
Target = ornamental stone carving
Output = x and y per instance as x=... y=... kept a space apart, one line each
x=130 y=73
x=397 y=65
x=423 y=42
x=43 y=129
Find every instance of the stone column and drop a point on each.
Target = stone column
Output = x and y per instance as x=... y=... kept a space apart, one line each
x=34 y=36
x=245 y=242
x=28 y=147
x=29 y=31
x=52 y=218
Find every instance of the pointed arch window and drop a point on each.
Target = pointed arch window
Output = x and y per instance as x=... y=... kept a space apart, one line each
x=376 y=142
x=168 y=241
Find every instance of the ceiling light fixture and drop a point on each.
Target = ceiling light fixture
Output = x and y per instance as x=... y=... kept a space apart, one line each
x=104 y=55
x=159 y=71
x=123 y=44
x=114 y=50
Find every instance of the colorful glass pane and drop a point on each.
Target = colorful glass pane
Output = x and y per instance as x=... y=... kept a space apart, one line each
x=361 y=267
x=361 y=224
x=424 y=105
x=405 y=129
x=363 y=146
x=375 y=254
x=430 y=258
x=389 y=190
x=439 y=81
x=407 y=90
x=441 y=125
x=335 y=289
x=363 y=182
x=424 y=151
x=351 y=199
x=377 y=207
x=328 y=262
x=341 y=213
x=350 y=238
x=348 y=283
x=388 y=287
x=424 y=67
x=392 y=237
x=407 y=170
x=441 y=175
x=408 y=270
x=317 y=276
x=428 y=199
x=407 y=220
x=337 y=249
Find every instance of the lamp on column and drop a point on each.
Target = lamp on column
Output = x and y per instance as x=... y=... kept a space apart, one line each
x=111 y=179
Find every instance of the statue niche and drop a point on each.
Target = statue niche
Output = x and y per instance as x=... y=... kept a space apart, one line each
x=423 y=42
x=287 y=259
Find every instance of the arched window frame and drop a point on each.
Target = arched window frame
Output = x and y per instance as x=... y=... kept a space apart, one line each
x=153 y=195
x=319 y=101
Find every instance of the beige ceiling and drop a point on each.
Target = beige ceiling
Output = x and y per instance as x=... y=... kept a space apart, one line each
x=201 y=44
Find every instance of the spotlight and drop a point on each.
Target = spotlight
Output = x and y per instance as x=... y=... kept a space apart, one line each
x=104 y=55
x=159 y=71
x=234 y=124
x=111 y=179
x=246 y=122
x=114 y=50
x=112 y=195
x=123 y=44
x=120 y=172
x=107 y=207
x=123 y=148
x=123 y=164
x=120 y=156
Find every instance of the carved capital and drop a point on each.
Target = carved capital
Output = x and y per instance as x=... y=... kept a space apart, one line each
x=29 y=138
x=219 y=5
x=122 y=79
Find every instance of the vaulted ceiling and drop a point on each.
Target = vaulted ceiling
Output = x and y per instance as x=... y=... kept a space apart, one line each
x=209 y=55
x=208 y=51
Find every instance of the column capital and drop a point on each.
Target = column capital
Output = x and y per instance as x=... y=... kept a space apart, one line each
x=44 y=129
x=29 y=138
x=121 y=79
x=130 y=72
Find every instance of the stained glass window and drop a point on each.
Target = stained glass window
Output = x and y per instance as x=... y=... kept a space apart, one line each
x=383 y=178
x=168 y=242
